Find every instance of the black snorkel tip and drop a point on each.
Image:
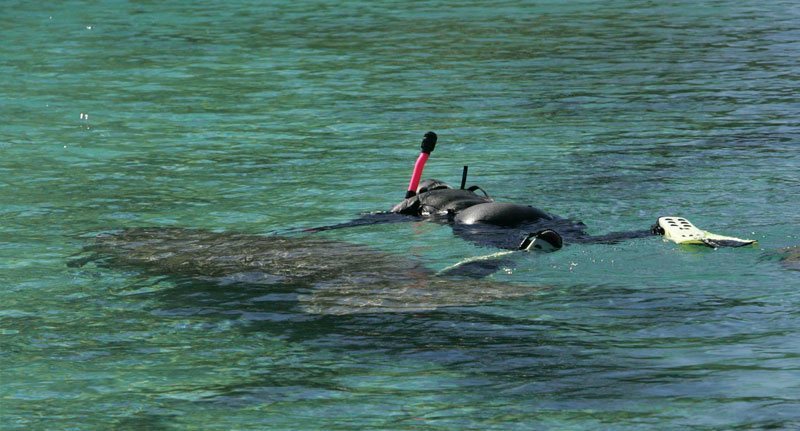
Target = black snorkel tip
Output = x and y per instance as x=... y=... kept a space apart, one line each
x=429 y=142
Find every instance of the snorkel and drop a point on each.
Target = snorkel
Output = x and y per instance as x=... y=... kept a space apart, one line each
x=428 y=144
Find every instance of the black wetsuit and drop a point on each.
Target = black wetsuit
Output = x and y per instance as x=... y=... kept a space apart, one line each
x=479 y=219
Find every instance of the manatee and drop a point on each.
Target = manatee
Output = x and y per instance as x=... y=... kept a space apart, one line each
x=329 y=277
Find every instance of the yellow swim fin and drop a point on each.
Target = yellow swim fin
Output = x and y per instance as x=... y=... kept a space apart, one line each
x=682 y=231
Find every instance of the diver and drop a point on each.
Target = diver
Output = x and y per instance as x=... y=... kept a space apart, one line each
x=480 y=219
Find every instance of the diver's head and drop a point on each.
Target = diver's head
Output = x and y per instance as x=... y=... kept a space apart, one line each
x=431 y=184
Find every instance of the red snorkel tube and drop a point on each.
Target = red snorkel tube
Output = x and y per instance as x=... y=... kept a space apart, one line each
x=428 y=144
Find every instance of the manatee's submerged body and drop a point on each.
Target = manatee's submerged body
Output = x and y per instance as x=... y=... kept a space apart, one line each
x=202 y=253
x=329 y=277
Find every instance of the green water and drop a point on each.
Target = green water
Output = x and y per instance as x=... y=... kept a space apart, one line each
x=260 y=117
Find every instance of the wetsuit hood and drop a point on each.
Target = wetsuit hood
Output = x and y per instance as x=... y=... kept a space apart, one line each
x=432 y=184
x=439 y=201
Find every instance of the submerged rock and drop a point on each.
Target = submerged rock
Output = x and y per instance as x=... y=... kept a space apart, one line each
x=330 y=277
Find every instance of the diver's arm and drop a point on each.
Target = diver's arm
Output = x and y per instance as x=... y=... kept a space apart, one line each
x=479 y=267
x=613 y=237
x=365 y=220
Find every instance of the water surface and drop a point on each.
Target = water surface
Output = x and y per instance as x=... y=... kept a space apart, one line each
x=262 y=117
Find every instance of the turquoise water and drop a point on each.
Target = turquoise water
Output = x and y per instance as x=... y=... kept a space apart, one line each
x=260 y=117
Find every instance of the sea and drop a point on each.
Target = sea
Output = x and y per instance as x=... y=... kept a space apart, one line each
x=270 y=117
